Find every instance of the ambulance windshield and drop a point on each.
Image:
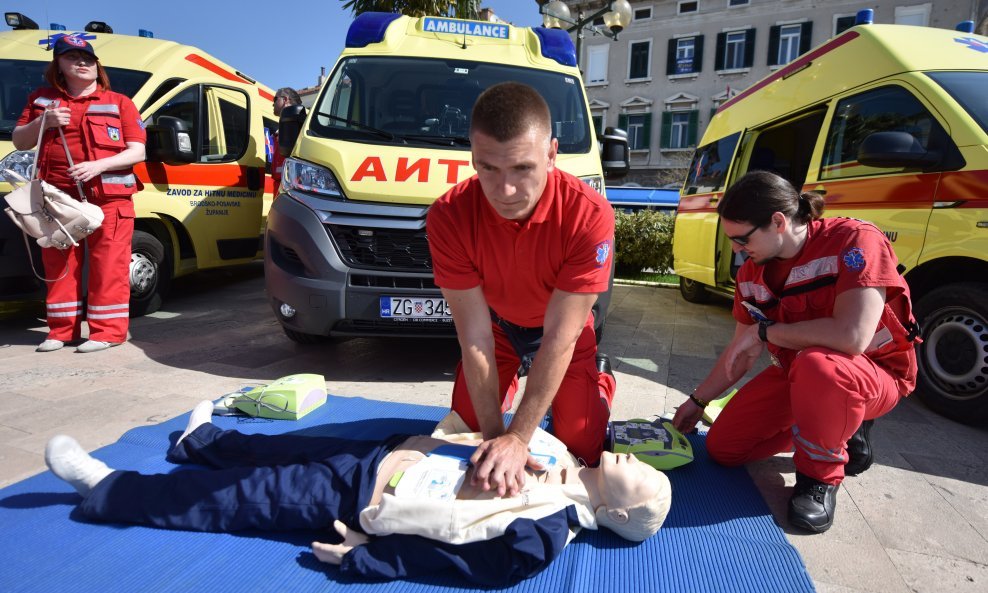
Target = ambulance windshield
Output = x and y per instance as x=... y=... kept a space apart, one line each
x=421 y=101
x=968 y=89
x=19 y=78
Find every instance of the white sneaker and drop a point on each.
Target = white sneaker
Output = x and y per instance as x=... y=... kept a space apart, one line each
x=95 y=346
x=201 y=414
x=50 y=346
x=67 y=460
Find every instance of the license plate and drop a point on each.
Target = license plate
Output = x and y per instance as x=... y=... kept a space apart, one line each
x=415 y=307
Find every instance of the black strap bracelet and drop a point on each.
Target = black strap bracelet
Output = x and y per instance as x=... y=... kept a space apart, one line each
x=696 y=401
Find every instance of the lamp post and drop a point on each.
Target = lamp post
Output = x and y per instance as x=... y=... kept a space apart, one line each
x=616 y=14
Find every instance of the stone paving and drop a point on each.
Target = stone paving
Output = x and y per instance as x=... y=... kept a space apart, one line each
x=916 y=521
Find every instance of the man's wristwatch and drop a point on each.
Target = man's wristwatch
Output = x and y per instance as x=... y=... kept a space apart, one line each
x=763 y=328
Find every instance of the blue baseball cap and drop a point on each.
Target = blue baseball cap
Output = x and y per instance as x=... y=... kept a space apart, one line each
x=67 y=43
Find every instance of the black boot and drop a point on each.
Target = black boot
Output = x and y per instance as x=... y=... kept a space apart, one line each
x=859 y=452
x=812 y=505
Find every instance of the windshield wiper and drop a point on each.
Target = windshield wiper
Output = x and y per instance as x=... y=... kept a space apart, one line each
x=358 y=125
x=440 y=140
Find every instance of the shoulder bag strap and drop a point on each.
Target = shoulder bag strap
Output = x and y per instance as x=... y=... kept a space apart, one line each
x=82 y=194
x=37 y=147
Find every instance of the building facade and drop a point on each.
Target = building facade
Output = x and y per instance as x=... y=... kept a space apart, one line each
x=679 y=60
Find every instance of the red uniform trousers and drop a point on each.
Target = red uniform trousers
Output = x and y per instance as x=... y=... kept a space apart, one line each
x=580 y=408
x=108 y=305
x=814 y=408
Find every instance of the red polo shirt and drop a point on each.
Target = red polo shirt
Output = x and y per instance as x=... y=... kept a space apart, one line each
x=567 y=243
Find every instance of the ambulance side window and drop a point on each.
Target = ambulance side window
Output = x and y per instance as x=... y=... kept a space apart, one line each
x=225 y=134
x=886 y=109
x=184 y=106
x=708 y=171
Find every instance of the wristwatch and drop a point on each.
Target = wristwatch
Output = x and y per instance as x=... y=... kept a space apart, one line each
x=763 y=328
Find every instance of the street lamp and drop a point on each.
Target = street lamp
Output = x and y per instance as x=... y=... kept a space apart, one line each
x=616 y=14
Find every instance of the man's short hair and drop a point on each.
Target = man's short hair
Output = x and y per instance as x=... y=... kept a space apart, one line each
x=290 y=94
x=645 y=519
x=507 y=110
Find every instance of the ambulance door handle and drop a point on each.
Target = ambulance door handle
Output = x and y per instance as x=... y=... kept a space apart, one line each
x=820 y=190
x=714 y=199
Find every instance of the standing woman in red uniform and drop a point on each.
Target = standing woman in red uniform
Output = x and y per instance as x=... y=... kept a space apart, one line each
x=105 y=138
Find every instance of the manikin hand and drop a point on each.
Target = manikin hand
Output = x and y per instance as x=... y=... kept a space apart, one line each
x=499 y=464
x=333 y=553
x=742 y=353
x=83 y=172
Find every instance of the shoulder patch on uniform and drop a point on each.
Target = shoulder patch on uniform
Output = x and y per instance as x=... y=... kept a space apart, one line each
x=854 y=259
x=603 y=253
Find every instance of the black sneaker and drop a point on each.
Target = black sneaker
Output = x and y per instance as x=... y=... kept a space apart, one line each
x=604 y=364
x=812 y=505
x=859 y=453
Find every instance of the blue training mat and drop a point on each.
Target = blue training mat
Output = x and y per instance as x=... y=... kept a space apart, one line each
x=719 y=535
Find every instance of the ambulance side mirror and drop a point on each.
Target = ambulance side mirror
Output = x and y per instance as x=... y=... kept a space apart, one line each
x=289 y=127
x=169 y=140
x=615 y=156
x=895 y=149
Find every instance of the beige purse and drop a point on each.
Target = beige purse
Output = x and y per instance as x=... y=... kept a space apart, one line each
x=46 y=213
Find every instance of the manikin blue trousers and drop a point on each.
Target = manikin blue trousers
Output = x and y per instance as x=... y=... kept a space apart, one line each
x=273 y=483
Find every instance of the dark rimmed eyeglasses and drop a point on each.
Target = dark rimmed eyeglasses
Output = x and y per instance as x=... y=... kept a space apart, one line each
x=743 y=240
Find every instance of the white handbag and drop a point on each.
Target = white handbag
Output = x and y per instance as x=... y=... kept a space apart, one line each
x=46 y=213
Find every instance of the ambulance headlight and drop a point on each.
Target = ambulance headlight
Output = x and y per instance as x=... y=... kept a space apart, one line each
x=303 y=176
x=596 y=182
x=19 y=162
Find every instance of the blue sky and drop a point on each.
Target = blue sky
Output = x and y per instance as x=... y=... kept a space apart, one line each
x=278 y=43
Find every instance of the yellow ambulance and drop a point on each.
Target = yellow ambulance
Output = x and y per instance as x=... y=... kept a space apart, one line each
x=206 y=181
x=346 y=252
x=890 y=124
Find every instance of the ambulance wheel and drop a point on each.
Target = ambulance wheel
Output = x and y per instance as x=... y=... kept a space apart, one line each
x=693 y=291
x=953 y=358
x=303 y=338
x=149 y=276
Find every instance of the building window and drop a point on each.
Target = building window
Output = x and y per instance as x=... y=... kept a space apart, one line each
x=598 y=22
x=598 y=124
x=731 y=3
x=735 y=49
x=688 y=7
x=679 y=129
x=638 y=60
x=638 y=126
x=913 y=15
x=685 y=55
x=787 y=42
x=843 y=23
x=597 y=63
x=643 y=14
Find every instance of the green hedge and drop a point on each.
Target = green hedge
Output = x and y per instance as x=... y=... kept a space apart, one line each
x=643 y=241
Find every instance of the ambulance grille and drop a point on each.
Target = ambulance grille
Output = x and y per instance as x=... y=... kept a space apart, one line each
x=382 y=249
x=367 y=281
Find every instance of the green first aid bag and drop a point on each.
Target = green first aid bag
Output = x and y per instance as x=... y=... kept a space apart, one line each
x=288 y=398
x=657 y=442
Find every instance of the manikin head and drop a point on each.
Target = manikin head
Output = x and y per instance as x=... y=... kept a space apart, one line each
x=634 y=496
x=513 y=148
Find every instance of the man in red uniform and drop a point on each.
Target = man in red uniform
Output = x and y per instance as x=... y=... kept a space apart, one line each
x=824 y=295
x=521 y=251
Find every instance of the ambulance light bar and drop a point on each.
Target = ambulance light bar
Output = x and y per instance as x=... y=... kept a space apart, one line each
x=369 y=27
x=556 y=45
x=19 y=22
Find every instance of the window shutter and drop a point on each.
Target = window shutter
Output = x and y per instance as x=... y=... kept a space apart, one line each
x=749 y=48
x=719 y=58
x=671 y=58
x=773 y=44
x=804 y=37
x=693 y=125
x=623 y=121
x=666 y=130
x=647 y=131
x=697 y=53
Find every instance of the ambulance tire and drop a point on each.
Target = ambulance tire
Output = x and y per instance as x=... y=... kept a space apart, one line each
x=693 y=291
x=303 y=338
x=149 y=275
x=953 y=358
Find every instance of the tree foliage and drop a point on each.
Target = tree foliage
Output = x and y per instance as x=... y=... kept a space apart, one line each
x=464 y=9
